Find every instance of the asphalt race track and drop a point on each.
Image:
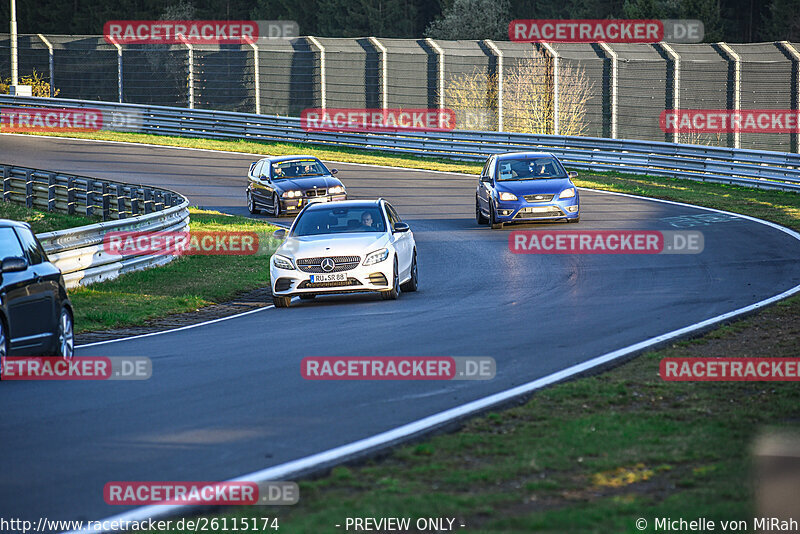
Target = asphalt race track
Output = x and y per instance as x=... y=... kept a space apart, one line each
x=227 y=399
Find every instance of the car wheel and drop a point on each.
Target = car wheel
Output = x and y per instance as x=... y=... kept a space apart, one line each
x=493 y=218
x=393 y=293
x=307 y=296
x=413 y=282
x=66 y=338
x=281 y=302
x=575 y=220
x=479 y=216
x=276 y=205
x=251 y=204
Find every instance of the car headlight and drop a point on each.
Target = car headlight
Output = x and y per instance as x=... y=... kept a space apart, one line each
x=567 y=193
x=292 y=194
x=336 y=189
x=376 y=257
x=507 y=196
x=282 y=262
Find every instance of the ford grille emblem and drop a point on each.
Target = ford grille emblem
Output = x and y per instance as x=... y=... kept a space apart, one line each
x=328 y=265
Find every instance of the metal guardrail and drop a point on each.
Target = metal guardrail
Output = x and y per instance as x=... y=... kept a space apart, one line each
x=752 y=168
x=79 y=252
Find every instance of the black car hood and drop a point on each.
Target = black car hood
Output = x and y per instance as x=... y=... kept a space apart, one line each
x=307 y=182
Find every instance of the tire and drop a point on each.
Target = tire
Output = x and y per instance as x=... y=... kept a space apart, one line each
x=413 y=282
x=492 y=219
x=66 y=337
x=276 y=205
x=251 y=204
x=307 y=296
x=393 y=293
x=281 y=302
x=479 y=217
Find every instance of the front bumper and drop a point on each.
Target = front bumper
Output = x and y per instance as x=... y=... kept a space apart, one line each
x=521 y=210
x=376 y=277
x=296 y=204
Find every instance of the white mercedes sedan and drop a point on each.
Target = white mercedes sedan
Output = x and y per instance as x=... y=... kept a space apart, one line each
x=343 y=247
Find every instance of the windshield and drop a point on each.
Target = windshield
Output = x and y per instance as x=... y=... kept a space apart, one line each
x=297 y=168
x=529 y=169
x=339 y=220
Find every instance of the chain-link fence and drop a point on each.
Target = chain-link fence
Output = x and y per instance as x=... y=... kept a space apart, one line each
x=598 y=90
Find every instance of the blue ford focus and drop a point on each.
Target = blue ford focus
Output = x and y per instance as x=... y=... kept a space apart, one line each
x=525 y=187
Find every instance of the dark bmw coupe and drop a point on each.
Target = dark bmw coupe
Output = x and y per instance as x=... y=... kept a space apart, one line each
x=286 y=184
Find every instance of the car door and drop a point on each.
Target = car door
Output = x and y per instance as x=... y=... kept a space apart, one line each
x=40 y=297
x=257 y=184
x=484 y=187
x=403 y=243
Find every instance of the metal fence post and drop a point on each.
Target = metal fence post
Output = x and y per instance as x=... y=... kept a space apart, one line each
x=737 y=86
x=71 y=195
x=256 y=74
x=134 y=201
x=614 y=72
x=322 y=81
x=121 y=201
x=499 y=55
x=190 y=59
x=440 y=63
x=554 y=55
x=89 y=200
x=676 y=84
x=384 y=72
x=792 y=51
x=50 y=56
x=106 y=189
x=119 y=67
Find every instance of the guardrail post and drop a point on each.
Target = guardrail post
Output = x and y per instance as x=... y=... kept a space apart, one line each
x=29 y=188
x=676 y=83
x=499 y=71
x=89 y=199
x=51 y=191
x=106 y=190
x=737 y=85
x=384 y=71
x=440 y=64
x=71 y=195
x=6 y=183
x=134 y=201
x=148 y=200
x=614 y=78
x=792 y=51
x=323 y=89
x=158 y=198
x=121 y=201
x=50 y=58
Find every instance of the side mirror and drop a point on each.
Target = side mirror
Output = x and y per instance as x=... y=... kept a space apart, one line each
x=13 y=264
x=486 y=179
x=572 y=174
x=265 y=178
x=334 y=171
x=280 y=233
x=401 y=227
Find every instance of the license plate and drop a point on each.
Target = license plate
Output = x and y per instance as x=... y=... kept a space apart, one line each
x=314 y=200
x=539 y=209
x=331 y=277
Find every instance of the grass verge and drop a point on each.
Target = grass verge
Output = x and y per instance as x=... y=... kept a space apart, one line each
x=42 y=221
